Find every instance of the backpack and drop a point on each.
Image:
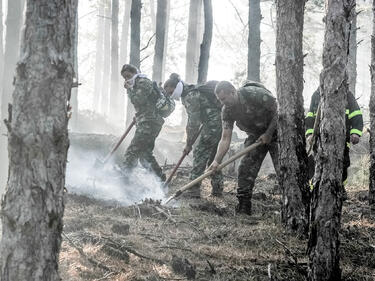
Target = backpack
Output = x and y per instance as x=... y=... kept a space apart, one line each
x=208 y=89
x=164 y=104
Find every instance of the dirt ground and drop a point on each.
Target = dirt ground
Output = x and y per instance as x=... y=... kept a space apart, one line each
x=203 y=239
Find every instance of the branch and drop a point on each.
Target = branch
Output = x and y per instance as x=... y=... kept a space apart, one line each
x=148 y=43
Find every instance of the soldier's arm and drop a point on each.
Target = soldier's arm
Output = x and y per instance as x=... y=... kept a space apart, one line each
x=142 y=92
x=192 y=106
x=355 y=116
x=225 y=140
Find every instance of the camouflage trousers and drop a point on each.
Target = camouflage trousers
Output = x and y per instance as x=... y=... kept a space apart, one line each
x=203 y=155
x=251 y=163
x=142 y=146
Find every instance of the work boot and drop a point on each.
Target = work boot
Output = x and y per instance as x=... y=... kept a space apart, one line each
x=244 y=206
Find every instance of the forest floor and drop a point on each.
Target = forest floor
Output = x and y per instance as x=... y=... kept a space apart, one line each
x=203 y=239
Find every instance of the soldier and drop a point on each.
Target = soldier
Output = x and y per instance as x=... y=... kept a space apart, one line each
x=203 y=108
x=354 y=127
x=254 y=110
x=148 y=121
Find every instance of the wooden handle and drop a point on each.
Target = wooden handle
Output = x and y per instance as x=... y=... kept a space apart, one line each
x=207 y=174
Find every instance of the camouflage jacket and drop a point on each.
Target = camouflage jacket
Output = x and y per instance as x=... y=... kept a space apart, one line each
x=143 y=98
x=202 y=108
x=256 y=112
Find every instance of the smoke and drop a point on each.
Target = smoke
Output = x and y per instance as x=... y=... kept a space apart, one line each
x=109 y=182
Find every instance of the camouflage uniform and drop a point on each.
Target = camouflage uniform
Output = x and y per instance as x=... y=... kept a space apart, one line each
x=203 y=108
x=148 y=126
x=255 y=114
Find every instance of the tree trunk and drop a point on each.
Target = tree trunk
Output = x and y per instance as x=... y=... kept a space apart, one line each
x=114 y=93
x=292 y=153
x=327 y=200
x=206 y=43
x=135 y=44
x=152 y=15
x=192 y=45
x=125 y=33
x=99 y=56
x=11 y=54
x=74 y=98
x=161 y=24
x=33 y=205
x=253 y=60
x=166 y=40
x=1 y=40
x=372 y=114
x=107 y=59
x=352 y=59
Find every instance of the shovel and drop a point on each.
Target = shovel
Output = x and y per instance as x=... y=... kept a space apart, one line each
x=184 y=154
x=207 y=174
x=100 y=163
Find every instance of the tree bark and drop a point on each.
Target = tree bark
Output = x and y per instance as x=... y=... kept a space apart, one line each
x=327 y=193
x=74 y=98
x=253 y=60
x=1 y=40
x=166 y=40
x=352 y=59
x=192 y=45
x=135 y=45
x=372 y=113
x=289 y=80
x=114 y=104
x=32 y=207
x=99 y=56
x=152 y=15
x=125 y=33
x=106 y=78
x=161 y=24
x=206 y=43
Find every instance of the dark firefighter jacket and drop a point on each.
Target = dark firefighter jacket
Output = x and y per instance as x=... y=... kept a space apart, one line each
x=354 y=120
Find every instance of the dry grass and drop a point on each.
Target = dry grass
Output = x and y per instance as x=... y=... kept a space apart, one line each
x=205 y=235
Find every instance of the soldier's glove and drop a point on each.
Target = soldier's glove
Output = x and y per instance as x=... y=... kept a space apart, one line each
x=354 y=138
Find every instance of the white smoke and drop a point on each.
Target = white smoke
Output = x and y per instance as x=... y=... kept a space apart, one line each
x=109 y=182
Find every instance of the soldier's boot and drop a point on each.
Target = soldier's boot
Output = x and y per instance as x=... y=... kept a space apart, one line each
x=243 y=206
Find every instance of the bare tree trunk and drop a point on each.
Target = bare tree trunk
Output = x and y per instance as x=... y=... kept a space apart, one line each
x=107 y=59
x=253 y=61
x=135 y=44
x=206 y=43
x=292 y=153
x=11 y=54
x=161 y=21
x=352 y=59
x=99 y=57
x=327 y=193
x=192 y=45
x=166 y=40
x=1 y=40
x=152 y=15
x=74 y=99
x=114 y=104
x=33 y=205
x=372 y=113
x=125 y=33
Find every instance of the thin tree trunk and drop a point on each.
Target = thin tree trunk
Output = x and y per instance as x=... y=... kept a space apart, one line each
x=135 y=44
x=206 y=43
x=166 y=40
x=161 y=21
x=99 y=56
x=107 y=59
x=1 y=40
x=152 y=15
x=125 y=33
x=352 y=59
x=192 y=45
x=33 y=205
x=372 y=113
x=253 y=61
x=74 y=98
x=327 y=193
x=11 y=54
x=292 y=153
x=114 y=93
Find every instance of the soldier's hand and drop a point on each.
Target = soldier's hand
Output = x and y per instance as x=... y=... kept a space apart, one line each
x=354 y=138
x=213 y=166
x=187 y=149
x=265 y=139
